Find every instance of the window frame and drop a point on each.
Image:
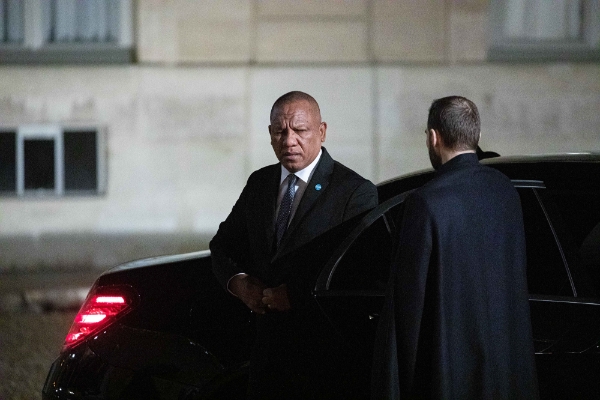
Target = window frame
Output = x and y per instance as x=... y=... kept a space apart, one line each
x=33 y=49
x=43 y=132
x=503 y=48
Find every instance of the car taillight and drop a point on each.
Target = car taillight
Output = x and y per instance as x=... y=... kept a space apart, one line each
x=103 y=306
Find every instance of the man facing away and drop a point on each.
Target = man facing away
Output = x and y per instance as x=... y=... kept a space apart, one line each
x=282 y=207
x=456 y=322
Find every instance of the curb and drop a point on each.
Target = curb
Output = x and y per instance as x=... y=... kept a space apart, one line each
x=39 y=301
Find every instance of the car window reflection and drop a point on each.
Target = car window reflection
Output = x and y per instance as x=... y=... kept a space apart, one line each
x=366 y=264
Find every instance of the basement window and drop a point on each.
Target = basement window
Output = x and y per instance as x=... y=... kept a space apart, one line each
x=49 y=160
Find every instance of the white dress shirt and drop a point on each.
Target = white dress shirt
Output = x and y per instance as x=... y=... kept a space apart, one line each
x=304 y=176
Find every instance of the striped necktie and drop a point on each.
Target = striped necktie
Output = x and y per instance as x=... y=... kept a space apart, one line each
x=283 y=217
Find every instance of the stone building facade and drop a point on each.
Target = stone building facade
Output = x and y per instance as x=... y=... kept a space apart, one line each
x=181 y=125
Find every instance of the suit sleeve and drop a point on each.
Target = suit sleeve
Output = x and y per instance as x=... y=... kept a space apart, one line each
x=362 y=199
x=230 y=246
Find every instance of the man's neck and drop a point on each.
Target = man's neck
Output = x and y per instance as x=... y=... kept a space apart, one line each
x=305 y=173
x=448 y=155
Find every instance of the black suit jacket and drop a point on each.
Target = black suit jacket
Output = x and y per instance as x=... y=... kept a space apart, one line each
x=291 y=357
x=456 y=321
x=245 y=240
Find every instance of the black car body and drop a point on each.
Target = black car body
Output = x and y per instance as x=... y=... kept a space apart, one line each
x=171 y=332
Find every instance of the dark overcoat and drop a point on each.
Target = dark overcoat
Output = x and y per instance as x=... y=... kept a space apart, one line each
x=283 y=364
x=456 y=322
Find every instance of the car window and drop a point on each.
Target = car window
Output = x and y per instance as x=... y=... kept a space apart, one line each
x=546 y=270
x=589 y=253
x=549 y=215
x=366 y=263
x=576 y=216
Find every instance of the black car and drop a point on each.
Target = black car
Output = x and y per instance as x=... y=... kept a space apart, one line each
x=162 y=328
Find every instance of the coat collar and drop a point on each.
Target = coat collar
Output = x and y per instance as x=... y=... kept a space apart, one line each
x=316 y=186
x=460 y=161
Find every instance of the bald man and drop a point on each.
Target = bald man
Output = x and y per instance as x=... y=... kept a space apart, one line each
x=282 y=207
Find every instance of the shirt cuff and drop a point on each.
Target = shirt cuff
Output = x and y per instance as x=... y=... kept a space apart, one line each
x=241 y=273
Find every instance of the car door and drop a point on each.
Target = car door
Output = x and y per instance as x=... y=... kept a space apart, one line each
x=350 y=289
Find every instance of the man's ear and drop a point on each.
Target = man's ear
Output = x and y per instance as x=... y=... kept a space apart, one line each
x=323 y=131
x=434 y=138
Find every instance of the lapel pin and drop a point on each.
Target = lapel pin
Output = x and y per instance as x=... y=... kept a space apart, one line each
x=318 y=186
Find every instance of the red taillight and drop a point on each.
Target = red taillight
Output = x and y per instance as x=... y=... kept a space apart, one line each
x=102 y=307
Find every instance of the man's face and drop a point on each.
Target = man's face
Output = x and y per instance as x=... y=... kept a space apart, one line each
x=296 y=134
x=435 y=158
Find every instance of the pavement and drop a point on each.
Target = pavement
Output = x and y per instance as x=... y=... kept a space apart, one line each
x=42 y=291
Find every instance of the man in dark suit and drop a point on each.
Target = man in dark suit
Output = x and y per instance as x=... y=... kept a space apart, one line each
x=456 y=321
x=282 y=207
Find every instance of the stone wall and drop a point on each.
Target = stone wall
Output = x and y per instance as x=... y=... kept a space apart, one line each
x=308 y=31
x=185 y=126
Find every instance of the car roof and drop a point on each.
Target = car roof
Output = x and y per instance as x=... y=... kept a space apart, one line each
x=560 y=157
x=516 y=167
